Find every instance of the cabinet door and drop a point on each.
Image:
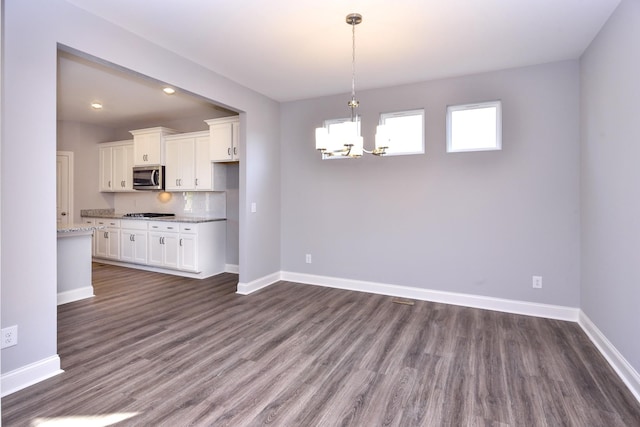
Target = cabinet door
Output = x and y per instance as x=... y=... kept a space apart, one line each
x=105 y=168
x=102 y=243
x=122 y=168
x=127 y=246
x=147 y=149
x=188 y=245
x=127 y=170
x=221 y=140
x=156 y=249
x=203 y=165
x=163 y=249
x=140 y=247
x=180 y=164
x=113 y=244
x=188 y=160
x=170 y=243
x=235 y=140
x=133 y=246
x=173 y=168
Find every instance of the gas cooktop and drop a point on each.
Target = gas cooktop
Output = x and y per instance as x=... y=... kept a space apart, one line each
x=147 y=215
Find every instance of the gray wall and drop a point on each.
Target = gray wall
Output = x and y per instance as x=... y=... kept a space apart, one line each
x=480 y=223
x=610 y=179
x=32 y=30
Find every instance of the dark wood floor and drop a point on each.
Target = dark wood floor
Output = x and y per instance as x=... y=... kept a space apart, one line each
x=175 y=351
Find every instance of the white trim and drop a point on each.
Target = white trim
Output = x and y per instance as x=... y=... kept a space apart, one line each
x=30 y=374
x=232 y=268
x=467 y=300
x=255 y=285
x=75 y=295
x=623 y=368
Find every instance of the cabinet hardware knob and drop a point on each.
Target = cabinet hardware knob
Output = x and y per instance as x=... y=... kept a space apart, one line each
x=229 y=151
x=180 y=242
x=235 y=150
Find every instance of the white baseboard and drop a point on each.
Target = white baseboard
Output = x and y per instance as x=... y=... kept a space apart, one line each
x=231 y=268
x=254 y=285
x=623 y=368
x=75 y=295
x=466 y=300
x=30 y=374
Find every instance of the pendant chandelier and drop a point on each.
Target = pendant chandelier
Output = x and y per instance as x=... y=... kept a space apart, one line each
x=345 y=139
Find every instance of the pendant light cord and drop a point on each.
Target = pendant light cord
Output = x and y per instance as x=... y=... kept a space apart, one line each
x=353 y=103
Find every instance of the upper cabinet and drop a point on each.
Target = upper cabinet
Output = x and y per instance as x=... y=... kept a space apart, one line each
x=116 y=165
x=224 y=142
x=188 y=164
x=149 y=145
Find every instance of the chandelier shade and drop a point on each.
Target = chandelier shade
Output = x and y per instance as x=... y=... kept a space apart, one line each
x=344 y=139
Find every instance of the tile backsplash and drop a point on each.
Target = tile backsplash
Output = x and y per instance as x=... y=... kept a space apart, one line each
x=209 y=204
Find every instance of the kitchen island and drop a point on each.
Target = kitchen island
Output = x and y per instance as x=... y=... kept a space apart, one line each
x=74 y=262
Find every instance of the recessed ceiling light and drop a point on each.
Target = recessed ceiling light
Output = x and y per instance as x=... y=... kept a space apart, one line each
x=96 y=106
x=169 y=90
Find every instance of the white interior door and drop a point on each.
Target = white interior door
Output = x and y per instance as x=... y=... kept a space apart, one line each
x=64 y=188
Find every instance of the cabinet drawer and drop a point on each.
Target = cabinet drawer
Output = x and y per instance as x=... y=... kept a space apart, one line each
x=188 y=228
x=164 y=226
x=115 y=223
x=132 y=224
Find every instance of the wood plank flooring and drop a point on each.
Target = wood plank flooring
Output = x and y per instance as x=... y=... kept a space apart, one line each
x=173 y=351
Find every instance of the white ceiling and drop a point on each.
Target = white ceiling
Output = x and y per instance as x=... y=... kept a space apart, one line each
x=296 y=49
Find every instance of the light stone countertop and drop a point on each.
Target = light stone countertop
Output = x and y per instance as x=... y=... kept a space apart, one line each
x=78 y=229
x=110 y=214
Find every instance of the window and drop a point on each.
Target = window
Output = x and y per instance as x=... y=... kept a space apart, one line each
x=474 y=127
x=405 y=132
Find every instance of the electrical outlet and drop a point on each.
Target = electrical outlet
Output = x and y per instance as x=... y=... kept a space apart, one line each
x=537 y=282
x=308 y=258
x=10 y=336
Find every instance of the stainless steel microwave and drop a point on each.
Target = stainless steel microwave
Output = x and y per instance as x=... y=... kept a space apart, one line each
x=148 y=178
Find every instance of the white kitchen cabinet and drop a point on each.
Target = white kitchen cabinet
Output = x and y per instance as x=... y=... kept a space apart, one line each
x=188 y=164
x=116 y=166
x=180 y=163
x=188 y=247
x=149 y=145
x=108 y=240
x=163 y=244
x=133 y=241
x=224 y=142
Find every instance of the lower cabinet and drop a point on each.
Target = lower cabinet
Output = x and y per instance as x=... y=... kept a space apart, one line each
x=133 y=241
x=190 y=249
x=107 y=242
x=163 y=249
